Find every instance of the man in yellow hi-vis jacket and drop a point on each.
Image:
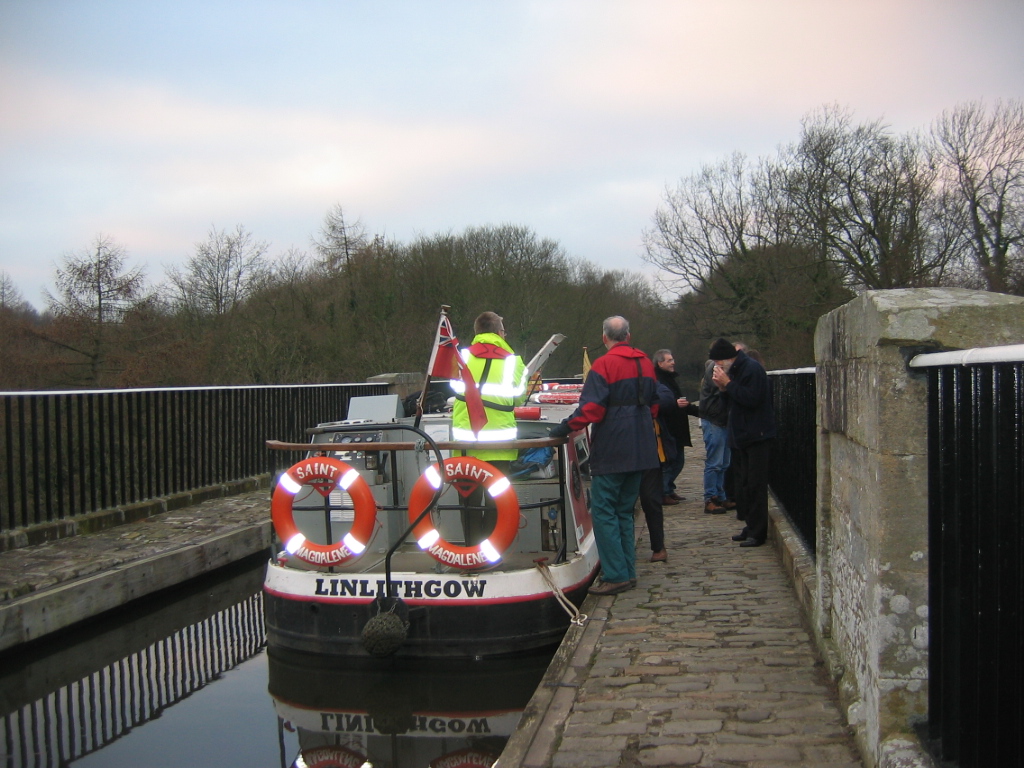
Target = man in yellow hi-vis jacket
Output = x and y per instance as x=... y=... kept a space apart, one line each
x=501 y=377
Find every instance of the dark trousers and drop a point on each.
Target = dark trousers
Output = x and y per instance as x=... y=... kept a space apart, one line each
x=670 y=471
x=478 y=524
x=650 y=501
x=751 y=467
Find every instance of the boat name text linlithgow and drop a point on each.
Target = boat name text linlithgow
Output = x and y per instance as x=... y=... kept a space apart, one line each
x=357 y=722
x=406 y=589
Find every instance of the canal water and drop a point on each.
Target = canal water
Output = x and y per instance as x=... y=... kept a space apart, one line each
x=185 y=678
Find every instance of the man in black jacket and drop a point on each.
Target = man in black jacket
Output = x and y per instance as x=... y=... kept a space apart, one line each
x=676 y=421
x=744 y=384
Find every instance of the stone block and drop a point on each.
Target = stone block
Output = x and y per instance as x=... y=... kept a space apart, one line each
x=872 y=564
x=937 y=318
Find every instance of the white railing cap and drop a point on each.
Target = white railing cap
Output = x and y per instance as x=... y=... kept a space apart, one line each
x=1012 y=353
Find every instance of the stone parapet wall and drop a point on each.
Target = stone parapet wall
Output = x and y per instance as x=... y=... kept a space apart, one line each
x=401 y=384
x=871 y=600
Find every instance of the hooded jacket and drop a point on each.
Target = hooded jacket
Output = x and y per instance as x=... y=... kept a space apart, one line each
x=619 y=399
x=500 y=375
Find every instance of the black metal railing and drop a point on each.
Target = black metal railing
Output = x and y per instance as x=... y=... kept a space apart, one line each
x=794 y=468
x=86 y=715
x=64 y=454
x=976 y=564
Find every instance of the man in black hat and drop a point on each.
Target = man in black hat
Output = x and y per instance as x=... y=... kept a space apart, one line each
x=744 y=385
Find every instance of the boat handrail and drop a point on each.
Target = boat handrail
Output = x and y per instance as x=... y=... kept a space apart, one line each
x=444 y=445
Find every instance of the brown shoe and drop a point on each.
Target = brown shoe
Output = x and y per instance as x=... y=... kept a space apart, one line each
x=610 y=588
x=659 y=557
x=668 y=501
x=711 y=507
x=727 y=503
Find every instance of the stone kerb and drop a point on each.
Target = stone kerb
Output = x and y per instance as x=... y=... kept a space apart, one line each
x=872 y=564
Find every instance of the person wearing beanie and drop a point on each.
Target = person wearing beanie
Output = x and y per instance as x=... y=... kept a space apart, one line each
x=722 y=350
x=744 y=385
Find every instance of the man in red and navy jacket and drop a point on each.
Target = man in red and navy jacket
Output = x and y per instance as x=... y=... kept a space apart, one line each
x=619 y=399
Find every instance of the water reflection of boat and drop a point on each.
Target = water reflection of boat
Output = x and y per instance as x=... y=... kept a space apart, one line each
x=400 y=712
x=373 y=558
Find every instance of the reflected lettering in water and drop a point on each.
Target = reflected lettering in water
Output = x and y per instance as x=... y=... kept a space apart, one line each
x=401 y=713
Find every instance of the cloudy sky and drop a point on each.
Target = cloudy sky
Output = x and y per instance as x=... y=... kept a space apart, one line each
x=151 y=122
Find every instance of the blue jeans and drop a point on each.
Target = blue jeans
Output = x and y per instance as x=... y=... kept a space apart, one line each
x=670 y=471
x=612 y=498
x=716 y=461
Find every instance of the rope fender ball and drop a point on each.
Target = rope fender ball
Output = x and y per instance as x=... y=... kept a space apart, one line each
x=386 y=630
x=324 y=474
x=465 y=470
x=384 y=634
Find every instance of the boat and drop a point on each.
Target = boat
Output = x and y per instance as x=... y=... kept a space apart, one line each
x=399 y=712
x=370 y=559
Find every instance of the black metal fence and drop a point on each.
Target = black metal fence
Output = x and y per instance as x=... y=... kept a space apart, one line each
x=794 y=468
x=68 y=453
x=976 y=551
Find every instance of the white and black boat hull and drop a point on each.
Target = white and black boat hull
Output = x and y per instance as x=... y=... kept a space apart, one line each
x=451 y=615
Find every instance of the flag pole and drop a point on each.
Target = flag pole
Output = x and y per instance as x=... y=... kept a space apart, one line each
x=426 y=381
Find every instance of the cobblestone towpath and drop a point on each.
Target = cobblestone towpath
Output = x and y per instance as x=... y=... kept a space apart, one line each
x=707 y=662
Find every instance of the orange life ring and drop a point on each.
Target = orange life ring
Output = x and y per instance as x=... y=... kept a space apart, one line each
x=331 y=757
x=324 y=474
x=465 y=758
x=466 y=468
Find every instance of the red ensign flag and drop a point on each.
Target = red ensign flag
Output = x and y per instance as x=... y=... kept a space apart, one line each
x=446 y=363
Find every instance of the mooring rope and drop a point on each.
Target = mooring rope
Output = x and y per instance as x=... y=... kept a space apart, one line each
x=575 y=617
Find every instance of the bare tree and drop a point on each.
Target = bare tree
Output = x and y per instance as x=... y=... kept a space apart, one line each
x=338 y=241
x=982 y=157
x=225 y=270
x=21 y=352
x=11 y=298
x=95 y=294
x=867 y=199
x=709 y=218
x=95 y=286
